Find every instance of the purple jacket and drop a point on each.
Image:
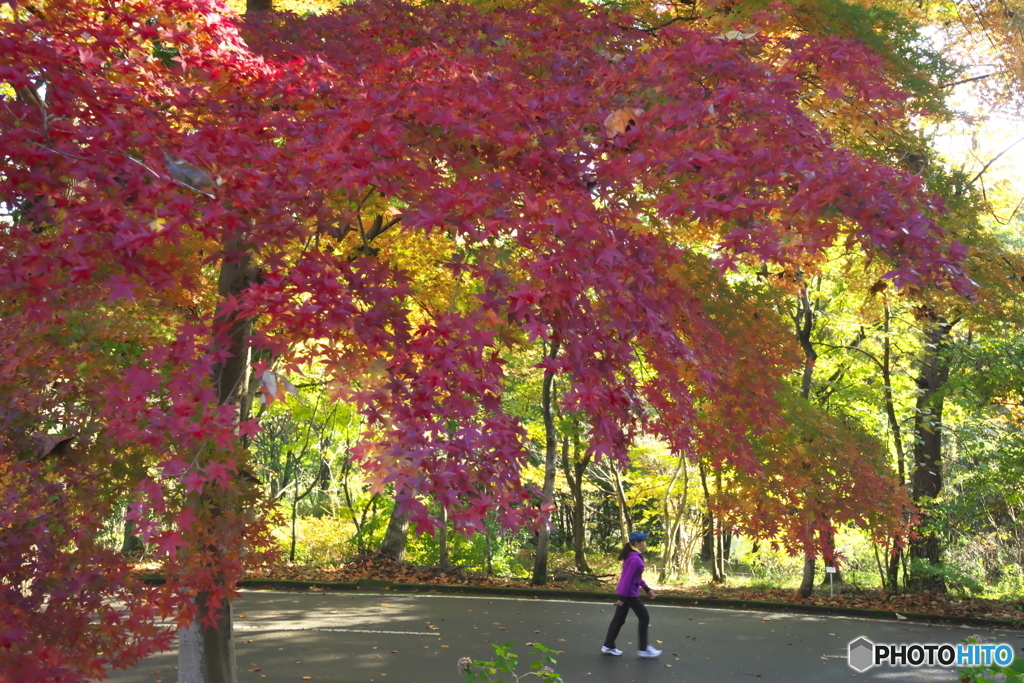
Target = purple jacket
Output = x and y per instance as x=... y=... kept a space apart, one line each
x=632 y=576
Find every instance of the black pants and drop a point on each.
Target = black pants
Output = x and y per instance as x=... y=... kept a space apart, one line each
x=619 y=619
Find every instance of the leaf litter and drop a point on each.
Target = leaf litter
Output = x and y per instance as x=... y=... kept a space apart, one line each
x=381 y=567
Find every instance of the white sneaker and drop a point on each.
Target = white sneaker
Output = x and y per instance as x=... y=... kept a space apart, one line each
x=611 y=650
x=649 y=653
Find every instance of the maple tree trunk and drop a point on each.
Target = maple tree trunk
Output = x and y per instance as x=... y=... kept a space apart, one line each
x=132 y=544
x=807 y=581
x=206 y=654
x=540 y=564
x=835 y=579
x=231 y=376
x=892 y=570
x=396 y=538
x=926 y=481
x=259 y=5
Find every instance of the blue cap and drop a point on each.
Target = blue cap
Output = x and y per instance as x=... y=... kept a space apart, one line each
x=637 y=536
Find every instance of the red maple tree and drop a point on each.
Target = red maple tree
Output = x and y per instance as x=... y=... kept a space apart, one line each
x=195 y=207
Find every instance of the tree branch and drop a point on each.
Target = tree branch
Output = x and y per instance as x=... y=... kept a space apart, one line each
x=971 y=79
x=994 y=159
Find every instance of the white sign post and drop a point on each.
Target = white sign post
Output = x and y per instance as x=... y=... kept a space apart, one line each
x=831 y=572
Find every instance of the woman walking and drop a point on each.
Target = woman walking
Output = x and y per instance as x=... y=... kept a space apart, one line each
x=628 y=592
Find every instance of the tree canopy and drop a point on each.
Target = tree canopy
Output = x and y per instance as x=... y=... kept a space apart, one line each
x=196 y=205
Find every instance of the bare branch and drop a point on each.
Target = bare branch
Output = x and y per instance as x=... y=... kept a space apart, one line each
x=994 y=159
x=972 y=79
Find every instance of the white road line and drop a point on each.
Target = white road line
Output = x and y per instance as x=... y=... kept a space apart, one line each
x=400 y=633
x=255 y=627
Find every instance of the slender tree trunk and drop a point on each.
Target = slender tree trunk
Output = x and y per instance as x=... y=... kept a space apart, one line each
x=625 y=519
x=259 y=6
x=444 y=559
x=721 y=549
x=707 y=532
x=926 y=482
x=540 y=564
x=683 y=556
x=295 y=515
x=670 y=521
x=892 y=578
x=489 y=565
x=804 y=320
x=717 y=573
x=575 y=468
x=296 y=499
x=396 y=538
x=206 y=654
x=719 y=557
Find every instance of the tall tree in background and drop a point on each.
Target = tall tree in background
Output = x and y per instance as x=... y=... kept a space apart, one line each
x=245 y=196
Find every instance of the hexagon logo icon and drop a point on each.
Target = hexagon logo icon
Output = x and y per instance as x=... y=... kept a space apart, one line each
x=861 y=654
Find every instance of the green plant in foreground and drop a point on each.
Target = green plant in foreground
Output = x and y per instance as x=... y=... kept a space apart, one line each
x=992 y=673
x=505 y=662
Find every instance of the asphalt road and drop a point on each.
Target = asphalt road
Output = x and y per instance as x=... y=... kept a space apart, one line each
x=346 y=637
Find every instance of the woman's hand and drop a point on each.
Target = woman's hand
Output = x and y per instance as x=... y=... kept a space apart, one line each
x=651 y=594
x=619 y=603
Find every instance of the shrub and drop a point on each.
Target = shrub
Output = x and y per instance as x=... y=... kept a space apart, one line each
x=505 y=661
x=1011 y=583
x=319 y=541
